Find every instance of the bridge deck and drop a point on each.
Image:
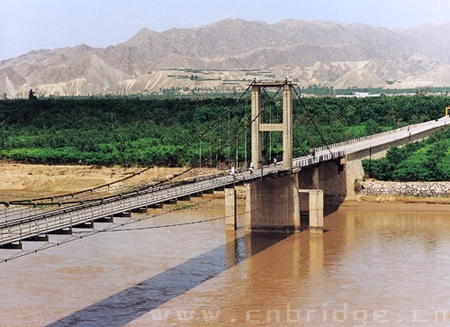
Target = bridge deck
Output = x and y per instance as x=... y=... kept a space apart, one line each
x=17 y=229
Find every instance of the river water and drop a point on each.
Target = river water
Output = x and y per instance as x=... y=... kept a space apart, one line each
x=377 y=264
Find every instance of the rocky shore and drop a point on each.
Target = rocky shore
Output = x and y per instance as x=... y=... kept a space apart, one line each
x=419 y=189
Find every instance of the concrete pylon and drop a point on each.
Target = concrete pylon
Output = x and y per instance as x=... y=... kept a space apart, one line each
x=256 y=121
x=287 y=125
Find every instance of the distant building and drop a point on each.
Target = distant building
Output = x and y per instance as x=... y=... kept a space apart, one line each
x=359 y=95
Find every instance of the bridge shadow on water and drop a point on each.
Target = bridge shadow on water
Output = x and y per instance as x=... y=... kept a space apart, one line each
x=123 y=307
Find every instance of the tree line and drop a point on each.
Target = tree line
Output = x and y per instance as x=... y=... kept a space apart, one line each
x=427 y=160
x=143 y=131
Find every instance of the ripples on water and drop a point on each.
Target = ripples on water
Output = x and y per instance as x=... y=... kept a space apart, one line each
x=373 y=266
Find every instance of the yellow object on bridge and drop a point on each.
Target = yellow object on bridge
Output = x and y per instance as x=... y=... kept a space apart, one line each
x=446 y=110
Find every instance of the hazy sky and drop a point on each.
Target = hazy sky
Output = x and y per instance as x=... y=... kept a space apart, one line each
x=27 y=25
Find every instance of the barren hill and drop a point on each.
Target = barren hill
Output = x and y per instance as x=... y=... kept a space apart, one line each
x=224 y=56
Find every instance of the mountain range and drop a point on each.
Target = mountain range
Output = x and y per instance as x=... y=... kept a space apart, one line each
x=225 y=56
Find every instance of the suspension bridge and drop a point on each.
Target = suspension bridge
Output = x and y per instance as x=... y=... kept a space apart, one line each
x=326 y=174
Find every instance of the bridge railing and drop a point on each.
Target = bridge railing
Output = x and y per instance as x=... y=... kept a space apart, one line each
x=18 y=229
x=413 y=129
x=313 y=160
x=353 y=141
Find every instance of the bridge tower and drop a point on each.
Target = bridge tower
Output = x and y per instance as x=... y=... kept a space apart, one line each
x=258 y=127
x=272 y=204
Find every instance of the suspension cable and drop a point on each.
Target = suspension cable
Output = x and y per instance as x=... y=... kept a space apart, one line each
x=177 y=153
x=310 y=117
x=295 y=138
x=251 y=122
x=114 y=227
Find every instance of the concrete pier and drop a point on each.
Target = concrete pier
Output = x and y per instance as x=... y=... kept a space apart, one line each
x=315 y=209
x=272 y=205
x=230 y=208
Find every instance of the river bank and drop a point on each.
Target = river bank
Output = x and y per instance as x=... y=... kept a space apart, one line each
x=25 y=181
